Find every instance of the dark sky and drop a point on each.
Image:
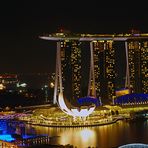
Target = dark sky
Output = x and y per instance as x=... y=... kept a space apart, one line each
x=21 y=22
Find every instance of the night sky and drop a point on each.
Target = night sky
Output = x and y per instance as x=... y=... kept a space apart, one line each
x=22 y=22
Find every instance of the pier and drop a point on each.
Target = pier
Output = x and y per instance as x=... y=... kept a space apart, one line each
x=26 y=142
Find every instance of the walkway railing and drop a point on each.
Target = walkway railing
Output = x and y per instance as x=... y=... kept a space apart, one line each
x=35 y=141
x=4 y=144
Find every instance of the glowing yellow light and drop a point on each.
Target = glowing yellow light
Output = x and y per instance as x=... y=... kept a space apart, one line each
x=51 y=84
x=2 y=87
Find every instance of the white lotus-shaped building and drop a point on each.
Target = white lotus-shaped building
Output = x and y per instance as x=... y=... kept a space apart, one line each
x=83 y=111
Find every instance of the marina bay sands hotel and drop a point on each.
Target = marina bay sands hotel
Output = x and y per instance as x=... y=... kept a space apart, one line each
x=86 y=64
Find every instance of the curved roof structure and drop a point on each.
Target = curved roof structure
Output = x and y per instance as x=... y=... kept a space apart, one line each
x=92 y=37
x=132 y=98
x=134 y=145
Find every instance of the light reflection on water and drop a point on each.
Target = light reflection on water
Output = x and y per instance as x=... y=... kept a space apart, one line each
x=79 y=137
x=107 y=136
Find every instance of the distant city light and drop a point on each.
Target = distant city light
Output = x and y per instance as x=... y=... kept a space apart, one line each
x=45 y=86
x=2 y=87
x=51 y=84
x=21 y=85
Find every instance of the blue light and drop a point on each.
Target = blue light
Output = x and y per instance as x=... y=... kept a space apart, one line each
x=89 y=99
x=9 y=138
x=132 y=98
x=6 y=137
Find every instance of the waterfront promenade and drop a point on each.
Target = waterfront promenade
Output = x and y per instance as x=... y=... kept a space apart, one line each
x=87 y=123
x=53 y=117
x=43 y=118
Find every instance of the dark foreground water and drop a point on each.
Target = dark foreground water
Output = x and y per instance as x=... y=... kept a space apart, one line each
x=107 y=136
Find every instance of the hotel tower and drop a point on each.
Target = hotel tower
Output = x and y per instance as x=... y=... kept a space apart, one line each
x=102 y=62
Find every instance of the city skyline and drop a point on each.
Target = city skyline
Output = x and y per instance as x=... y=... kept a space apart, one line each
x=96 y=63
x=22 y=23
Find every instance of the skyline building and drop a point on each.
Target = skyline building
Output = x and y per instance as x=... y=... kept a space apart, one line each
x=102 y=64
x=104 y=68
x=138 y=65
x=8 y=82
x=70 y=55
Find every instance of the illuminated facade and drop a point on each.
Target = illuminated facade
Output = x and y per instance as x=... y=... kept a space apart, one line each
x=70 y=61
x=134 y=98
x=8 y=82
x=101 y=81
x=104 y=69
x=138 y=65
x=109 y=66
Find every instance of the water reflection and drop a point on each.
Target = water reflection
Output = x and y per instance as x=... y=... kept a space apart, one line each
x=106 y=136
x=80 y=137
x=87 y=134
